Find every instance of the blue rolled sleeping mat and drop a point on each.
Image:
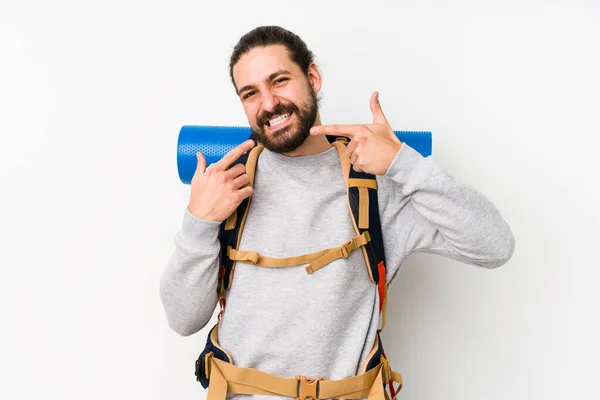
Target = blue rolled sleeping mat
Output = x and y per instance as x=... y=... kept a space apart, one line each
x=216 y=141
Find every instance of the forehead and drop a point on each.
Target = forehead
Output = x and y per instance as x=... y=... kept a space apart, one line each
x=256 y=65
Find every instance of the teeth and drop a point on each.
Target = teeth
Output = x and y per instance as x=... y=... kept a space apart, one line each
x=278 y=120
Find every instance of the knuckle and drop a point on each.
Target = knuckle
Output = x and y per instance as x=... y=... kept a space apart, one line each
x=221 y=178
x=245 y=192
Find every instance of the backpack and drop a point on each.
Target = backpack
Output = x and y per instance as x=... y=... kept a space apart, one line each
x=364 y=210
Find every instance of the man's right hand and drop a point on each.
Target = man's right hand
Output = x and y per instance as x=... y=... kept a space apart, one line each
x=216 y=192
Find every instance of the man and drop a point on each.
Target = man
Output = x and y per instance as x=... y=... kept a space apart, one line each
x=284 y=321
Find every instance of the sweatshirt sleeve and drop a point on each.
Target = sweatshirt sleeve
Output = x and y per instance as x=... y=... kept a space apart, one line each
x=188 y=287
x=430 y=211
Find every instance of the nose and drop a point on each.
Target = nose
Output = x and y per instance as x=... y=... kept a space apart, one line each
x=269 y=101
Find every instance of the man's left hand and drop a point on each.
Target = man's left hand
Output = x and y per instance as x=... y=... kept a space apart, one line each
x=372 y=147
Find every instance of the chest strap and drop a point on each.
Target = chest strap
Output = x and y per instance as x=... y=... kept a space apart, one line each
x=315 y=260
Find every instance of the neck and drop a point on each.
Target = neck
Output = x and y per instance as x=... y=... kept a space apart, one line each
x=312 y=144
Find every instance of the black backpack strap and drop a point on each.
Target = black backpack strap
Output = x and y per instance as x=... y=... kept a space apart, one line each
x=364 y=209
x=363 y=199
x=362 y=192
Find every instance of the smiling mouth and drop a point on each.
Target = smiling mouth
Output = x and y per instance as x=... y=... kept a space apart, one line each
x=278 y=120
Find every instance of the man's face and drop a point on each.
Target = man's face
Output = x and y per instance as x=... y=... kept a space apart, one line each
x=278 y=99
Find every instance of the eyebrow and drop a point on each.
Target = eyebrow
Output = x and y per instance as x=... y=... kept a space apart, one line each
x=269 y=78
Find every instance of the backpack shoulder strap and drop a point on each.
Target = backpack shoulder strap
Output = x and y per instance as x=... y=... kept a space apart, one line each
x=230 y=231
x=364 y=209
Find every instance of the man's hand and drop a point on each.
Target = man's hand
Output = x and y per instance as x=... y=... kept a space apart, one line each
x=217 y=191
x=372 y=147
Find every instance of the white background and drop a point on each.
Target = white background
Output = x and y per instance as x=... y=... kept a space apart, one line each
x=92 y=97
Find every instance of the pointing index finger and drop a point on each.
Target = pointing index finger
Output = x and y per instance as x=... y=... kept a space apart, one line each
x=234 y=154
x=339 y=130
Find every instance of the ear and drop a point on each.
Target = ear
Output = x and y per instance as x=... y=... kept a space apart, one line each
x=314 y=77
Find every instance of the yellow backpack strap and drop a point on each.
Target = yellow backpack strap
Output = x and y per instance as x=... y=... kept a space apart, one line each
x=229 y=378
x=231 y=229
x=315 y=260
x=359 y=205
x=363 y=186
x=250 y=162
x=365 y=215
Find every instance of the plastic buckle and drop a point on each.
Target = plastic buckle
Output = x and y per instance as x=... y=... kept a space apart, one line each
x=367 y=236
x=345 y=252
x=308 y=388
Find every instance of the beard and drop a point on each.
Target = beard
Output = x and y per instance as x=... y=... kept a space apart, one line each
x=292 y=136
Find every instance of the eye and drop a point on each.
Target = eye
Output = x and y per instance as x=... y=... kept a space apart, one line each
x=281 y=80
x=248 y=95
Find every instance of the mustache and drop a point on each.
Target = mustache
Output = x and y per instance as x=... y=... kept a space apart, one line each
x=280 y=109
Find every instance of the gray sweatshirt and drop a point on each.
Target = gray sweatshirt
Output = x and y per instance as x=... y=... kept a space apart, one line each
x=287 y=322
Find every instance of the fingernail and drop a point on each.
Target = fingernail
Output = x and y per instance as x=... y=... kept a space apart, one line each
x=313 y=130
